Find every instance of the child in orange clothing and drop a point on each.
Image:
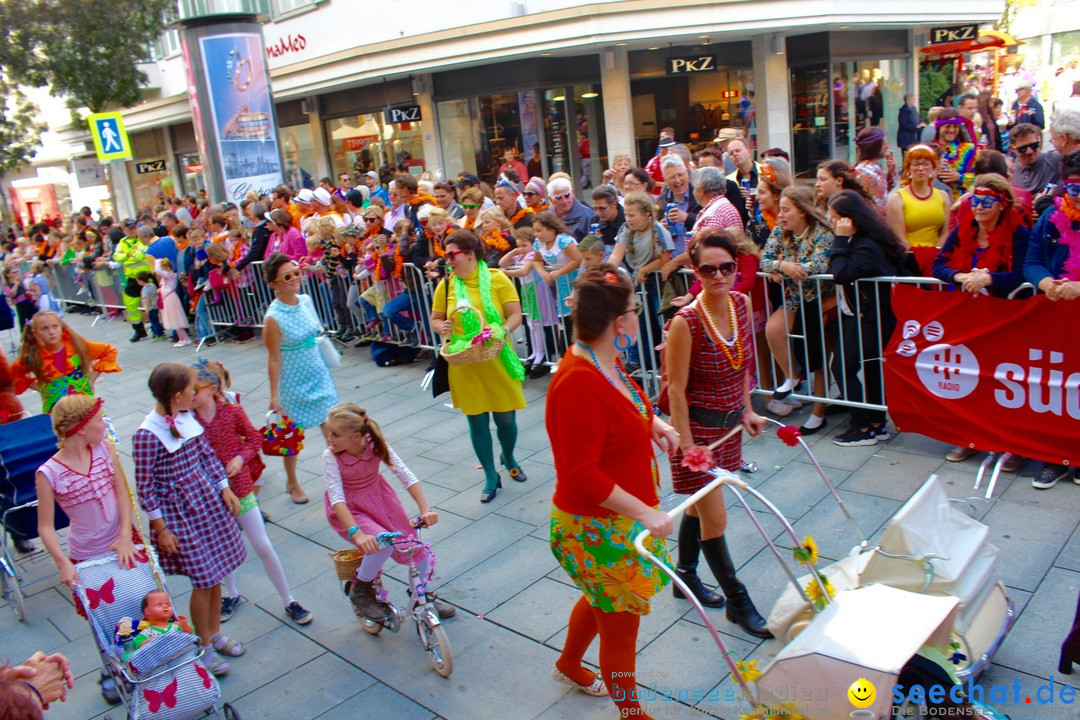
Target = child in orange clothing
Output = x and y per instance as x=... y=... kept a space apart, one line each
x=57 y=361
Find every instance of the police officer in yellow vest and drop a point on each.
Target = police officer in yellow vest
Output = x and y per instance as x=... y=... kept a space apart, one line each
x=130 y=253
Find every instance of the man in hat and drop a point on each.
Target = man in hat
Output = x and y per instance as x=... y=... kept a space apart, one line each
x=467 y=180
x=371 y=179
x=667 y=141
x=130 y=253
x=1026 y=109
x=323 y=206
x=305 y=204
x=723 y=137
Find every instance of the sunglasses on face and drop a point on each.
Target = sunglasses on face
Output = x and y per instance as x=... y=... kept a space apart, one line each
x=984 y=201
x=1030 y=147
x=452 y=255
x=472 y=206
x=601 y=208
x=563 y=196
x=724 y=268
x=529 y=193
x=1071 y=189
x=287 y=276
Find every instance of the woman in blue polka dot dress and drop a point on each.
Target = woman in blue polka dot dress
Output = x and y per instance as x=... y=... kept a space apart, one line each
x=300 y=383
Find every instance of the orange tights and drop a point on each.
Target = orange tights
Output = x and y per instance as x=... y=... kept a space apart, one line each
x=618 y=653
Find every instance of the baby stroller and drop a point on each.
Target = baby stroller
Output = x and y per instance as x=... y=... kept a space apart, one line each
x=164 y=679
x=24 y=446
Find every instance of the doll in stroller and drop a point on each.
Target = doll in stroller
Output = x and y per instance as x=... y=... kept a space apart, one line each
x=156 y=665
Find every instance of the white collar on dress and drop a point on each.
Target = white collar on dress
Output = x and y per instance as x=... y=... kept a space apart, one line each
x=186 y=423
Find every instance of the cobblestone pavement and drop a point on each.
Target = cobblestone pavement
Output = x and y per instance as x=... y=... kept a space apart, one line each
x=495 y=566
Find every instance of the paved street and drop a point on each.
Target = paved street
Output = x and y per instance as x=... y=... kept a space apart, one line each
x=495 y=565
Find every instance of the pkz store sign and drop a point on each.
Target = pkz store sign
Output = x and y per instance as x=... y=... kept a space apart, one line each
x=150 y=166
x=688 y=65
x=953 y=33
x=402 y=114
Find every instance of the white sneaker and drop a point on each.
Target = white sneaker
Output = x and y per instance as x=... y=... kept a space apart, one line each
x=795 y=404
x=779 y=407
x=182 y=343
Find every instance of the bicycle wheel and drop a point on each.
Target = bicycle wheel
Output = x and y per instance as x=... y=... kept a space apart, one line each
x=370 y=626
x=12 y=592
x=437 y=646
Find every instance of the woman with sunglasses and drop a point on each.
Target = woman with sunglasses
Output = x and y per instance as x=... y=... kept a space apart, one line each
x=1052 y=264
x=300 y=382
x=491 y=387
x=601 y=426
x=958 y=155
x=536 y=195
x=472 y=201
x=863 y=247
x=709 y=357
x=987 y=254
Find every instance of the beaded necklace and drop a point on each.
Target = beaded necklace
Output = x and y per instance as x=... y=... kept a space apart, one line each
x=725 y=345
x=634 y=395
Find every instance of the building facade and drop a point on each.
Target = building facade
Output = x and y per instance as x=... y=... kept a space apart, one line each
x=565 y=85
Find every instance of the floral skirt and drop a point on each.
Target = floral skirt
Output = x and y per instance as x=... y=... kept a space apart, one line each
x=599 y=556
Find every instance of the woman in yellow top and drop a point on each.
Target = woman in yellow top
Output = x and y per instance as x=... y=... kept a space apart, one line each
x=492 y=386
x=919 y=213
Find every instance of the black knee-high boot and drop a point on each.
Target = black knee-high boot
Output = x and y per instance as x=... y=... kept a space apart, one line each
x=740 y=609
x=689 y=550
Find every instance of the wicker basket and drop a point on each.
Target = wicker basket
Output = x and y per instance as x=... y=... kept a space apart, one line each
x=480 y=352
x=346 y=562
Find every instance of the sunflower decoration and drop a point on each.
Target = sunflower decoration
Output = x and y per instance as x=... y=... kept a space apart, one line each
x=818 y=596
x=769 y=712
x=807 y=553
x=747 y=670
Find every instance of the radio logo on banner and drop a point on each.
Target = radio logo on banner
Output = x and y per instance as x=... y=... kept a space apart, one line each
x=948 y=371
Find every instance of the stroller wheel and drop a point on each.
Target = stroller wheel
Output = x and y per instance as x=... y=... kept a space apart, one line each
x=12 y=591
x=230 y=712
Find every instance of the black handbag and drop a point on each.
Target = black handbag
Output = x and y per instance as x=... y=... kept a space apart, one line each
x=440 y=374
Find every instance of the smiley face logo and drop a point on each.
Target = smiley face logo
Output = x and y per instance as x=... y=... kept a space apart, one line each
x=862 y=693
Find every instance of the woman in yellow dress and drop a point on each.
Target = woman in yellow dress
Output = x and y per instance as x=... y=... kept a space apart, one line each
x=493 y=386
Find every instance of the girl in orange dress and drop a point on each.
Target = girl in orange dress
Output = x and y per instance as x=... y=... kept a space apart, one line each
x=57 y=361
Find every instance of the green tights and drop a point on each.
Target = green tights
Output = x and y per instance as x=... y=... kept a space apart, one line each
x=480 y=434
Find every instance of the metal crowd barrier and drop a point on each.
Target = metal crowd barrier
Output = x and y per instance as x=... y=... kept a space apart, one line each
x=243 y=301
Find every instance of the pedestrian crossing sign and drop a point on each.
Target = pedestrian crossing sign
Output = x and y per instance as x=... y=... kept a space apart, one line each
x=110 y=139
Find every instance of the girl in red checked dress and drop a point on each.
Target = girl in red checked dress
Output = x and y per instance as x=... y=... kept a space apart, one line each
x=360 y=504
x=236 y=443
x=184 y=489
x=82 y=478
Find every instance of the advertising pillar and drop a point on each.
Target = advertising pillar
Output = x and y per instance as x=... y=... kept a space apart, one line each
x=232 y=106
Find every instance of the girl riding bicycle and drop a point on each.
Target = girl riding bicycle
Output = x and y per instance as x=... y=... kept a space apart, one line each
x=360 y=504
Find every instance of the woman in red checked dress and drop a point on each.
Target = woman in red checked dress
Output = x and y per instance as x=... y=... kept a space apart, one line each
x=708 y=356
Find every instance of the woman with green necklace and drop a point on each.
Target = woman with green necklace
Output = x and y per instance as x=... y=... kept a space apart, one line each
x=492 y=387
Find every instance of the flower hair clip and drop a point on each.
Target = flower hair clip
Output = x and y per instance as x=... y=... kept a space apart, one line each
x=610 y=277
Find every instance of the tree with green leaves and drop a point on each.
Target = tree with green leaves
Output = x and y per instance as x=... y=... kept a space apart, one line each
x=20 y=128
x=90 y=49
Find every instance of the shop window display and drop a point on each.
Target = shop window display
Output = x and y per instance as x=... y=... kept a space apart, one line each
x=360 y=143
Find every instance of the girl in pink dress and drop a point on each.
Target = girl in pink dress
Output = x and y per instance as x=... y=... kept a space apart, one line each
x=82 y=478
x=173 y=316
x=237 y=443
x=360 y=504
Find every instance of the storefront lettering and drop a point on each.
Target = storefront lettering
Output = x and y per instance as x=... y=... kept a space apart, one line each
x=141 y=168
x=953 y=33
x=687 y=65
x=402 y=114
x=288 y=44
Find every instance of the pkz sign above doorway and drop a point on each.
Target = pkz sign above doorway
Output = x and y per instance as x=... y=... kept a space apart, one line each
x=688 y=65
x=402 y=114
x=142 y=168
x=953 y=33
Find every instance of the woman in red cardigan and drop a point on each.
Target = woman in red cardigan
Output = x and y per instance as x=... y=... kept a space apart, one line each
x=602 y=427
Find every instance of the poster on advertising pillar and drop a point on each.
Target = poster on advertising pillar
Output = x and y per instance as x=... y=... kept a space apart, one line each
x=241 y=108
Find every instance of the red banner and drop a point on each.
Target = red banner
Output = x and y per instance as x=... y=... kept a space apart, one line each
x=1000 y=375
